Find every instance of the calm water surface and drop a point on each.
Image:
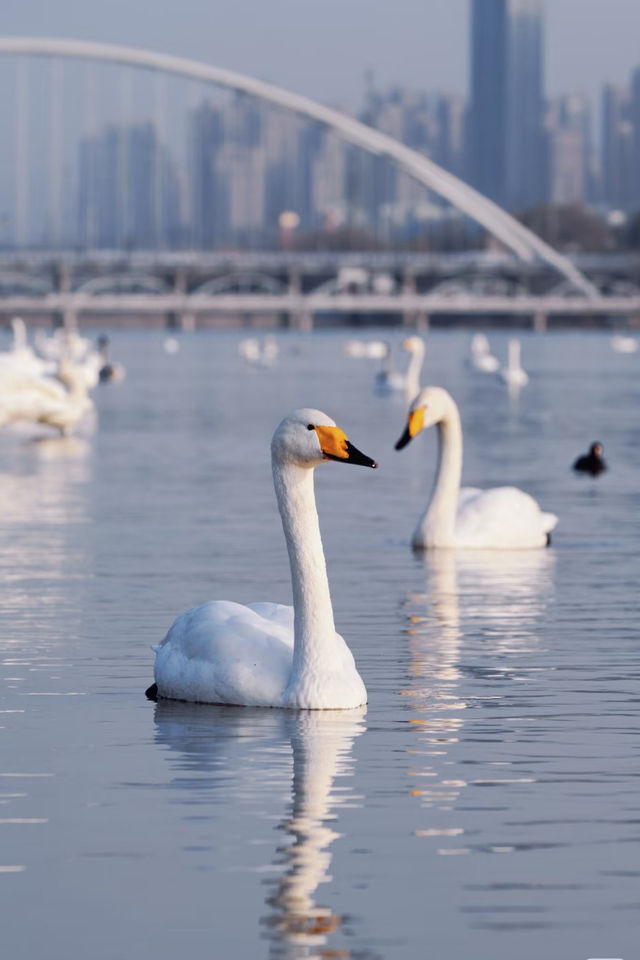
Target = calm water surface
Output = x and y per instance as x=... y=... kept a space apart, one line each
x=486 y=804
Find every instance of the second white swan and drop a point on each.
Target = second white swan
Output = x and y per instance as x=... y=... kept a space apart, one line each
x=502 y=518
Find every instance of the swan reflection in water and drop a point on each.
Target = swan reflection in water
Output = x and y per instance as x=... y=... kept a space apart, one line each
x=321 y=743
x=488 y=604
x=43 y=487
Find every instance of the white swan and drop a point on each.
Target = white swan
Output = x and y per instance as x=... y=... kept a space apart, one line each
x=21 y=360
x=45 y=400
x=365 y=349
x=266 y=654
x=259 y=354
x=481 y=357
x=622 y=344
x=502 y=518
x=513 y=374
x=389 y=380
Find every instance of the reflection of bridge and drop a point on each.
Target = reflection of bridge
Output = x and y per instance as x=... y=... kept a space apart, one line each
x=292 y=288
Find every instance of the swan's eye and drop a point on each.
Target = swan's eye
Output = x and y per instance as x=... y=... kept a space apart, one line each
x=310 y=426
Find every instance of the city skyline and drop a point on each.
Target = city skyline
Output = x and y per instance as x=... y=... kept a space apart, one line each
x=424 y=46
x=154 y=165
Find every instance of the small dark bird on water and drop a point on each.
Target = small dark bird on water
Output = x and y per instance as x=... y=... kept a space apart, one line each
x=592 y=462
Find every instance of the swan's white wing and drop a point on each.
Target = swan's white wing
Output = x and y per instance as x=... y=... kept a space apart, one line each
x=224 y=652
x=502 y=517
x=14 y=381
x=465 y=494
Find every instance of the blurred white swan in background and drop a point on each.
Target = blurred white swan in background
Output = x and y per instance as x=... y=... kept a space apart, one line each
x=259 y=354
x=513 y=374
x=500 y=518
x=267 y=654
x=21 y=359
x=622 y=344
x=65 y=342
x=481 y=357
x=389 y=380
x=60 y=403
x=171 y=346
x=365 y=349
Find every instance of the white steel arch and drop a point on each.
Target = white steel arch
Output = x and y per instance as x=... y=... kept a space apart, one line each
x=516 y=237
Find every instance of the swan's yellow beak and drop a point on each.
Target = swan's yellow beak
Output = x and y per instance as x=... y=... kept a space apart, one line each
x=415 y=423
x=335 y=446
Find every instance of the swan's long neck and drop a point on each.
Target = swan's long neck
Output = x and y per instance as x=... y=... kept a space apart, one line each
x=413 y=372
x=314 y=630
x=514 y=355
x=437 y=527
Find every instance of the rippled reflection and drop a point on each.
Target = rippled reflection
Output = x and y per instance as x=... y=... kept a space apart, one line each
x=201 y=740
x=43 y=490
x=477 y=604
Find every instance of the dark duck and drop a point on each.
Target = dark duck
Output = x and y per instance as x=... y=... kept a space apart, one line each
x=591 y=462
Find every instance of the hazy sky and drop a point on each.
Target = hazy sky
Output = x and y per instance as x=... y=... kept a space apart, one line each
x=323 y=48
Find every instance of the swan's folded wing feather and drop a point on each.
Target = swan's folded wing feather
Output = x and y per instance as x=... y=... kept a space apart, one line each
x=500 y=517
x=224 y=652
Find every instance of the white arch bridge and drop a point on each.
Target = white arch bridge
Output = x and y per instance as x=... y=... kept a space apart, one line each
x=512 y=234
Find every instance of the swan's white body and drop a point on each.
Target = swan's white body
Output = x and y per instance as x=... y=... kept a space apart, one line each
x=389 y=380
x=171 y=345
x=63 y=343
x=501 y=518
x=513 y=374
x=21 y=359
x=259 y=354
x=481 y=357
x=266 y=654
x=45 y=400
x=366 y=349
x=622 y=344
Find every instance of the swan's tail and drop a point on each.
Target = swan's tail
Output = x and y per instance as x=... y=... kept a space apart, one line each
x=549 y=521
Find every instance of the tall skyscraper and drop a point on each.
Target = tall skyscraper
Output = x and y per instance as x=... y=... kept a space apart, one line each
x=568 y=129
x=525 y=104
x=209 y=220
x=505 y=133
x=488 y=98
x=635 y=123
x=617 y=148
x=128 y=194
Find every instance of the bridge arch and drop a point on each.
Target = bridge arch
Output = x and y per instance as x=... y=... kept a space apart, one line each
x=516 y=237
x=240 y=282
x=122 y=283
x=13 y=283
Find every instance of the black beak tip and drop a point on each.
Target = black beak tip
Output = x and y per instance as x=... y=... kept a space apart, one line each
x=354 y=456
x=404 y=440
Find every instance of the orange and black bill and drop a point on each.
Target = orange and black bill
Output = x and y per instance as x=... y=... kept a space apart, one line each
x=335 y=446
x=415 y=423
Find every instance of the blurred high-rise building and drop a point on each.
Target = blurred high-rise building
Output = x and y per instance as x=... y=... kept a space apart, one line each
x=128 y=194
x=506 y=158
x=209 y=203
x=568 y=127
x=525 y=104
x=487 y=155
x=635 y=123
x=617 y=142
